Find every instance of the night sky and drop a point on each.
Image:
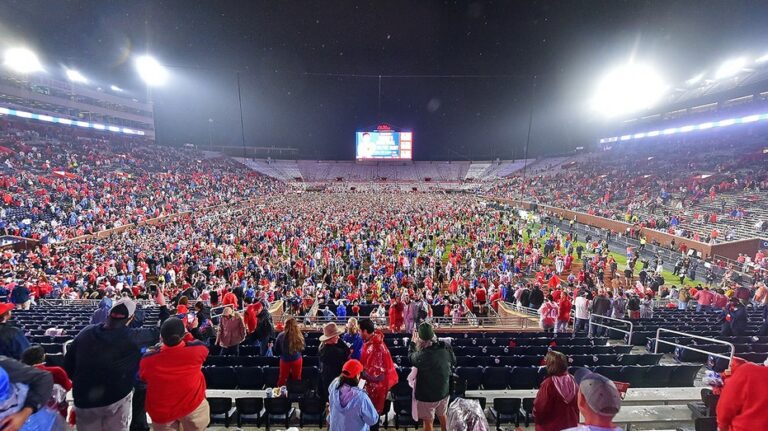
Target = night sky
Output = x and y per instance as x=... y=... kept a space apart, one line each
x=296 y=59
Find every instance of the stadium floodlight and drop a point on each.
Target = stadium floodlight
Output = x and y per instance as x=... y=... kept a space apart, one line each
x=22 y=60
x=116 y=89
x=731 y=68
x=75 y=76
x=628 y=88
x=695 y=80
x=762 y=59
x=151 y=71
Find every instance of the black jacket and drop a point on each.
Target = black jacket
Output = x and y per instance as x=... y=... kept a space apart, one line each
x=40 y=382
x=332 y=358
x=12 y=341
x=103 y=363
x=537 y=298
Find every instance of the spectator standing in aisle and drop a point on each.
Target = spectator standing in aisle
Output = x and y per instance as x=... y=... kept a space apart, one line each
x=556 y=405
x=434 y=361
x=175 y=383
x=231 y=332
x=12 y=339
x=350 y=408
x=548 y=314
x=290 y=346
x=734 y=319
x=333 y=354
x=379 y=370
x=581 y=306
x=353 y=338
x=103 y=361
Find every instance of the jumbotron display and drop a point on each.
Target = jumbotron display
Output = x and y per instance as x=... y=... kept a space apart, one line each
x=384 y=143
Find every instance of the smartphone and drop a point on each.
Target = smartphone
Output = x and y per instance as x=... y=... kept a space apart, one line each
x=190 y=317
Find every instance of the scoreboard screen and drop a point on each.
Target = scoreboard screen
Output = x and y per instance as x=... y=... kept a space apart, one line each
x=384 y=144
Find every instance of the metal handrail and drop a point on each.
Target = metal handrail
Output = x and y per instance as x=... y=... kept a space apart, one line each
x=684 y=334
x=439 y=322
x=221 y=308
x=91 y=302
x=629 y=333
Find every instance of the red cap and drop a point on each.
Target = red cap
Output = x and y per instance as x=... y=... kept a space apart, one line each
x=6 y=307
x=352 y=368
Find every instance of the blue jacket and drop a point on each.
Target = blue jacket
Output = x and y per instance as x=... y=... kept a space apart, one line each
x=356 y=342
x=350 y=409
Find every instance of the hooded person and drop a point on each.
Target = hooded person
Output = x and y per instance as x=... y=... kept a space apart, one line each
x=349 y=407
x=556 y=400
x=102 y=312
x=742 y=402
x=24 y=392
x=379 y=370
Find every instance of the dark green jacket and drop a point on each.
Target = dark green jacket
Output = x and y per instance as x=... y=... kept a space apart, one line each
x=435 y=364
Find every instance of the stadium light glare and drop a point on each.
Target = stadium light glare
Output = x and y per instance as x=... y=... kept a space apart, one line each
x=628 y=88
x=151 y=71
x=695 y=80
x=762 y=59
x=116 y=89
x=75 y=76
x=730 y=68
x=22 y=60
x=686 y=129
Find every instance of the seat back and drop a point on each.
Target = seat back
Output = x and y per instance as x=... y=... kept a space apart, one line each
x=250 y=378
x=249 y=406
x=507 y=406
x=277 y=406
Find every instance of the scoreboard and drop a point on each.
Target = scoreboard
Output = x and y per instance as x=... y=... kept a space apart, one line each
x=384 y=143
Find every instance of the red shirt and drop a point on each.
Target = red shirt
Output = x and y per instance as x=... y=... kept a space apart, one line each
x=229 y=299
x=174 y=378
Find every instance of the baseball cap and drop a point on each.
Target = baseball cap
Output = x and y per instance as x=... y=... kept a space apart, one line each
x=599 y=392
x=6 y=307
x=352 y=368
x=122 y=309
x=172 y=331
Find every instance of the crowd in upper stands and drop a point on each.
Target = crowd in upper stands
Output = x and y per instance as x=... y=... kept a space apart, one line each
x=707 y=189
x=58 y=183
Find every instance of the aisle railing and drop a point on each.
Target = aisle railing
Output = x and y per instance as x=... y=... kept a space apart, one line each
x=698 y=337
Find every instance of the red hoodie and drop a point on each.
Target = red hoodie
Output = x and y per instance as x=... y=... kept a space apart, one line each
x=742 y=402
x=175 y=382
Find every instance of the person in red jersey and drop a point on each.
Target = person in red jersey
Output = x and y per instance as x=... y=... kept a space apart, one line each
x=175 y=382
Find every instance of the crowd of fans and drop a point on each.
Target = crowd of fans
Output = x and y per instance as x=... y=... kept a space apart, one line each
x=709 y=190
x=57 y=184
x=396 y=261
